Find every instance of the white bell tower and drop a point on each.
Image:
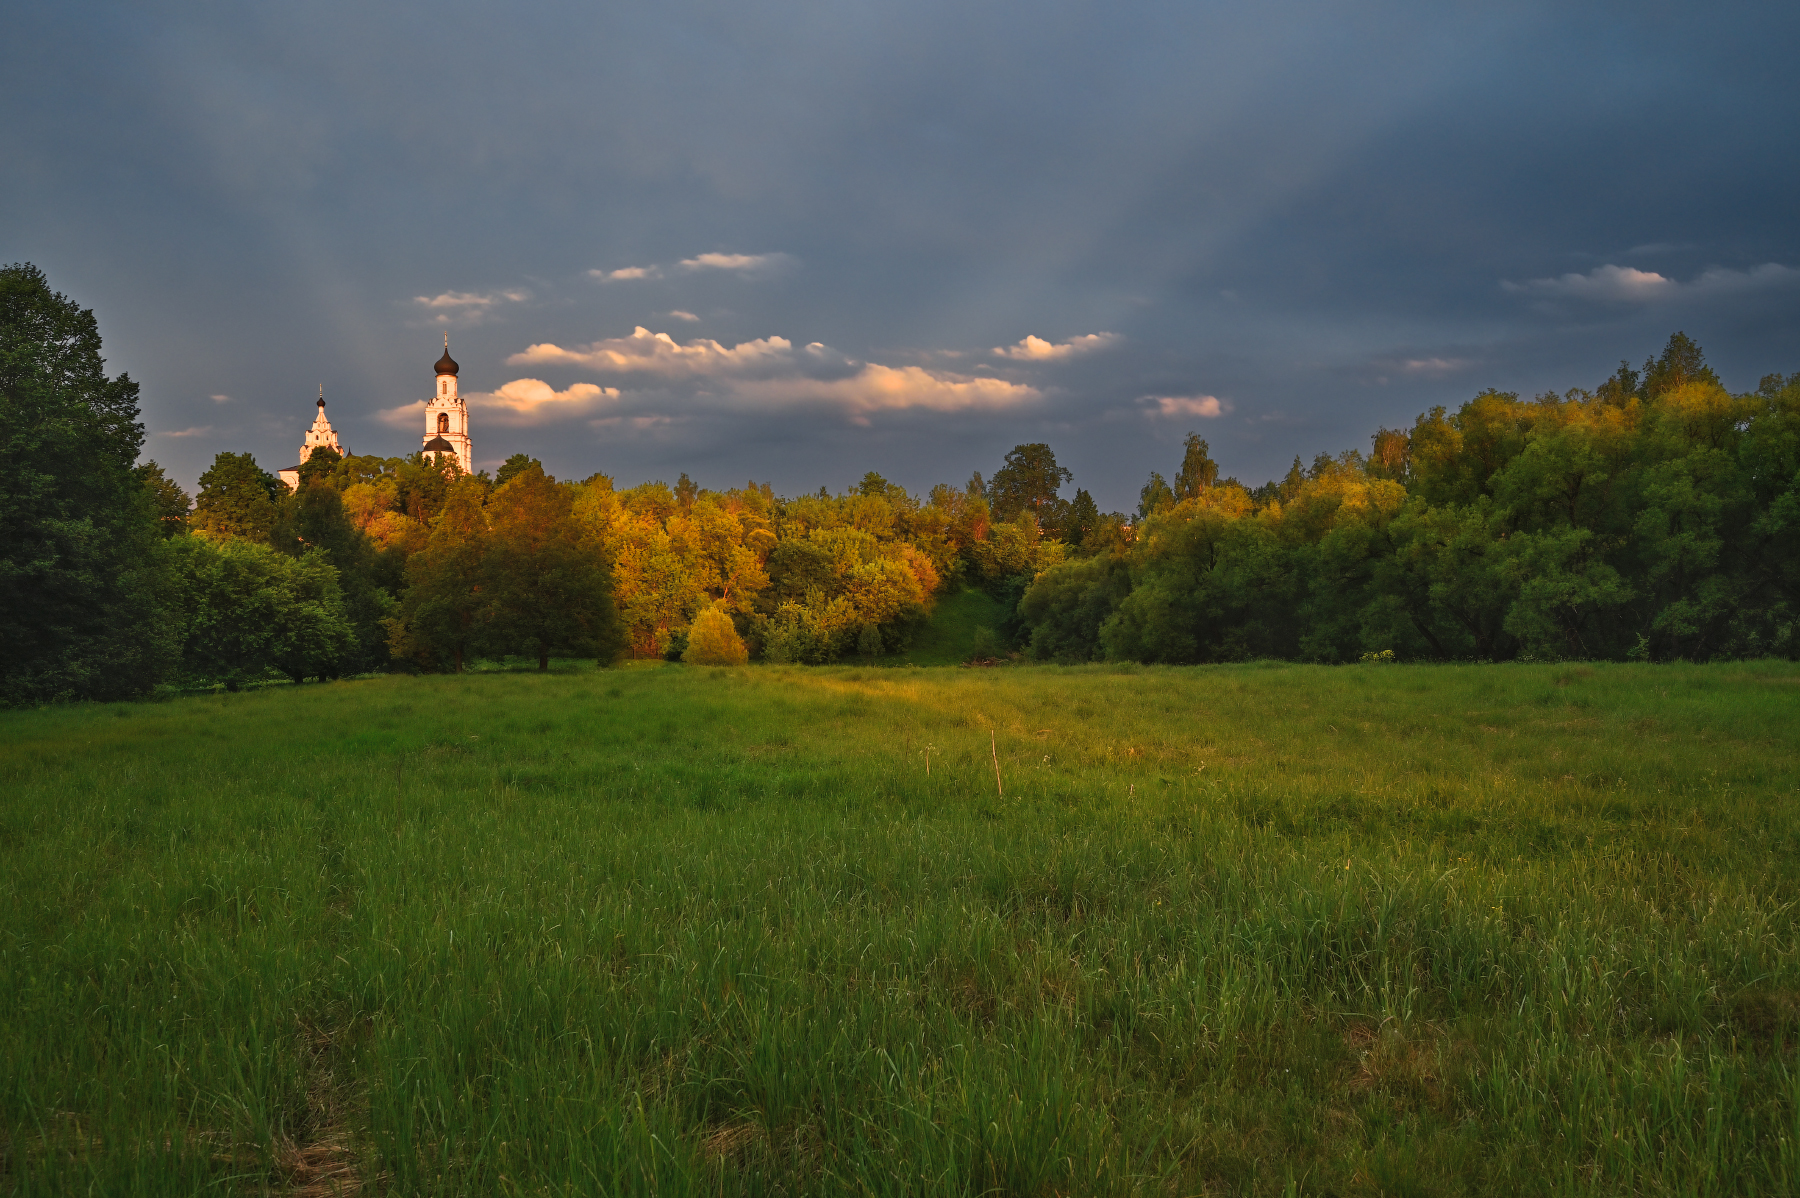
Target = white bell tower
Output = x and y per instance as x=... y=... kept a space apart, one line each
x=447 y=417
x=320 y=436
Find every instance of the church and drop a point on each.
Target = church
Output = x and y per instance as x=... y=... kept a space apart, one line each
x=446 y=426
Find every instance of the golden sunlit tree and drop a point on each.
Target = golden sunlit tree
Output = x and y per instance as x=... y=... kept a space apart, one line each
x=713 y=641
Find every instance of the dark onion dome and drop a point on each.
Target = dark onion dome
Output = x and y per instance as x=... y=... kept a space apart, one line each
x=438 y=444
x=446 y=364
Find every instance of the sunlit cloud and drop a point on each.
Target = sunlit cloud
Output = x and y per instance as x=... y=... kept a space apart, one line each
x=765 y=375
x=877 y=388
x=1434 y=367
x=200 y=431
x=678 y=314
x=740 y=262
x=220 y=398
x=659 y=354
x=468 y=307
x=404 y=416
x=471 y=299
x=1625 y=284
x=533 y=401
x=626 y=274
x=1170 y=407
x=1036 y=349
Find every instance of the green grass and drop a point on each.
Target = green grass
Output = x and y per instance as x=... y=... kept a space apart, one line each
x=950 y=636
x=1270 y=930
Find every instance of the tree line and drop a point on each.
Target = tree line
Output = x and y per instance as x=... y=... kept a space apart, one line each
x=1653 y=517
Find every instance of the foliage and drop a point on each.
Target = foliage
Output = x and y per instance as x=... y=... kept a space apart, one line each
x=517 y=464
x=714 y=641
x=169 y=504
x=868 y=642
x=1653 y=518
x=510 y=569
x=237 y=499
x=313 y=519
x=1028 y=481
x=81 y=581
x=322 y=463
x=1410 y=930
x=1155 y=497
x=1198 y=470
x=439 y=623
x=247 y=611
x=547 y=589
x=1083 y=521
x=1656 y=517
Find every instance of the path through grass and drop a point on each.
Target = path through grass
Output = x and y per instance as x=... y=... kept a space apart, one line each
x=1404 y=930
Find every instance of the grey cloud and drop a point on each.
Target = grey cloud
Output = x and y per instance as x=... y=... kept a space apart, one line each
x=1280 y=204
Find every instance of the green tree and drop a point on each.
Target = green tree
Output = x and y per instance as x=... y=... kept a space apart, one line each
x=322 y=464
x=423 y=485
x=549 y=590
x=1682 y=362
x=1198 y=470
x=1566 y=592
x=1082 y=521
x=1028 y=481
x=1624 y=386
x=1154 y=497
x=796 y=569
x=868 y=642
x=169 y=504
x=81 y=585
x=1066 y=606
x=248 y=610
x=313 y=519
x=517 y=464
x=1391 y=455
x=237 y=499
x=440 y=622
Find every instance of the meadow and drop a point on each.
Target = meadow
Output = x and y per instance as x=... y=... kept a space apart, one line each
x=1278 y=929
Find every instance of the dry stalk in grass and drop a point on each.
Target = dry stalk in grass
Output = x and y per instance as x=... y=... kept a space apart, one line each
x=325 y=1165
x=733 y=1140
x=995 y=750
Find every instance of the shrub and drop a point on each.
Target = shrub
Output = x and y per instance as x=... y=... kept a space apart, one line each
x=714 y=641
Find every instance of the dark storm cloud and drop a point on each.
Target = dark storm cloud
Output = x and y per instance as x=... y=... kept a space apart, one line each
x=845 y=231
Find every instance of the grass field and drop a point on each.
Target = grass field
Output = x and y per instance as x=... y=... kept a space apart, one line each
x=1270 y=930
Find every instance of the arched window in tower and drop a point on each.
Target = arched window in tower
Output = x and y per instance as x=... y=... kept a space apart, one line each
x=443 y=422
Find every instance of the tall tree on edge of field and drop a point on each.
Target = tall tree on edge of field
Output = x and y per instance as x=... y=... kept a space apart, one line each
x=313 y=519
x=81 y=574
x=440 y=616
x=549 y=589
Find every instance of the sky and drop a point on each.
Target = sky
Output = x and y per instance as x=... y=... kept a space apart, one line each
x=797 y=241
